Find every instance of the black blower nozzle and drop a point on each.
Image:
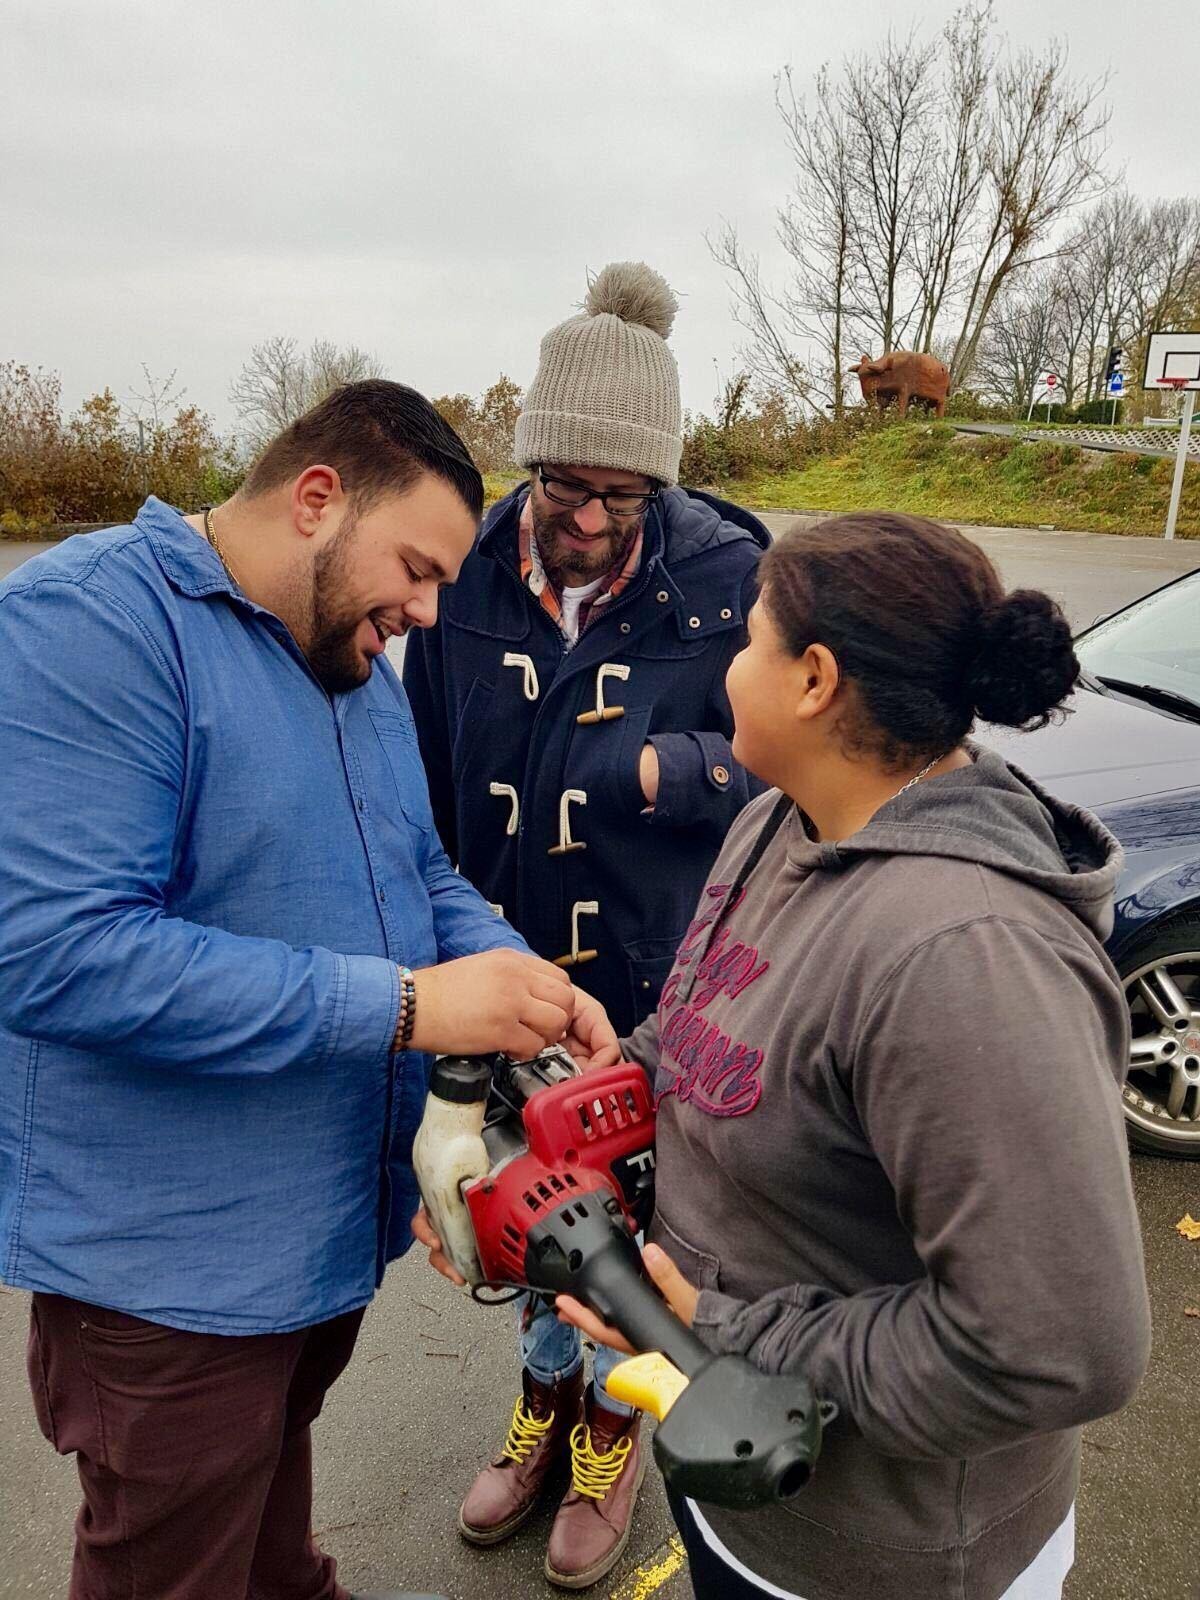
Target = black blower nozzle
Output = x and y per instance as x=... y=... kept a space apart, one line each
x=744 y=1437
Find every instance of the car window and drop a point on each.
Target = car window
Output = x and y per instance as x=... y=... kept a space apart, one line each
x=1155 y=642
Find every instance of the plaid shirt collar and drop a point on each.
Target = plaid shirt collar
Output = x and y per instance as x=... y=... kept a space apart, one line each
x=533 y=574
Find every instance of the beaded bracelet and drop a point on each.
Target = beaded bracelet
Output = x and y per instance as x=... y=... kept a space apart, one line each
x=408 y=1008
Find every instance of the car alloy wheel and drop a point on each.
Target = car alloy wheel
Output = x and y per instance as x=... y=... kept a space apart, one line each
x=1162 y=1090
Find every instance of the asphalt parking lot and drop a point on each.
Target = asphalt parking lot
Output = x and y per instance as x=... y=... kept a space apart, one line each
x=432 y=1384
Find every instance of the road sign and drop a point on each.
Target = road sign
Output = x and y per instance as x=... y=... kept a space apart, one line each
x=1116 y=384
x=1046 y=394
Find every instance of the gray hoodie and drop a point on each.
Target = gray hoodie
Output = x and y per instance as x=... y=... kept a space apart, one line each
x=891 y=1155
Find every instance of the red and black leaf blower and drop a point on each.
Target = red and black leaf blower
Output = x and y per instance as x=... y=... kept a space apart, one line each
x=536 y=1176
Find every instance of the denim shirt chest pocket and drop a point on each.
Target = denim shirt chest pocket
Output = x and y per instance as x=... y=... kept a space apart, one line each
x=397 y=738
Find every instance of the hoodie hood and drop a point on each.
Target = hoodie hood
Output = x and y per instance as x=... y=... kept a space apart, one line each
x=989 y=813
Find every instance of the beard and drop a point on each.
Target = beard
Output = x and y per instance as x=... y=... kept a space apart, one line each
x=334 y=658
x=564 y=566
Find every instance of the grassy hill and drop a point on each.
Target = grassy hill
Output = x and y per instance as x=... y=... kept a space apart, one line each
x=928 y=469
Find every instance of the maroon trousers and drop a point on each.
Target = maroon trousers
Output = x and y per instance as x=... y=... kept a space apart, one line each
x=194 y=1452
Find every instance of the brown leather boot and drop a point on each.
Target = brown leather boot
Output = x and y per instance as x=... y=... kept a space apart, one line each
x=506 y=1492
x=608 y=1463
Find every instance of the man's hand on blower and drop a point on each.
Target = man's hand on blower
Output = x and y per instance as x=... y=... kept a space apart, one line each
x=592 y=1039
x=667 y=1278
x=423 y=1233
x=500 y=1000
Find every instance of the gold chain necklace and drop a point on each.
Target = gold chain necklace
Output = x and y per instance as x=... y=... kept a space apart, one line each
x=913 y=782
x=210 y=533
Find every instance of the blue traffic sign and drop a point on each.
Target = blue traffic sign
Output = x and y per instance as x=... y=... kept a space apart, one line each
x=1116 y=384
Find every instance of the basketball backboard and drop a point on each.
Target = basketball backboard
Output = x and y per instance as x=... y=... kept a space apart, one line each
x=1172 y=356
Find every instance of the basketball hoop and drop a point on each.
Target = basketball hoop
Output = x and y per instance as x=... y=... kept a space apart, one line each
x=1172 y=383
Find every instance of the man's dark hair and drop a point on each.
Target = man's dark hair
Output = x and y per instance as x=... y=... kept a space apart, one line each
x=379 y=437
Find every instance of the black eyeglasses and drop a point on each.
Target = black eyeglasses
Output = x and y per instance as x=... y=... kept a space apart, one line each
x=617 y=502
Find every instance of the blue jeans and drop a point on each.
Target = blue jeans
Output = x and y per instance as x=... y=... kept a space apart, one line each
x=553 y=1350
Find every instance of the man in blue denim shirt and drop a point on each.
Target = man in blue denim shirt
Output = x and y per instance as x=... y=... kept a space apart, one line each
x=229 y=936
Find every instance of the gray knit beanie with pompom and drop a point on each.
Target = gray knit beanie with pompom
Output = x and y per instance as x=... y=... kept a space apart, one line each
x=606 y=393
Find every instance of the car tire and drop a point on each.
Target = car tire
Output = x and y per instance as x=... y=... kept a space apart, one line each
x=1161 y=1096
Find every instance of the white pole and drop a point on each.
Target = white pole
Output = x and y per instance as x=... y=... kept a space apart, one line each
x=1185 y=433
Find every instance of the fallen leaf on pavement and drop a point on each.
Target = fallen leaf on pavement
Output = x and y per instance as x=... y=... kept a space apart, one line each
x=1191 y=1311
x=1188 y=1227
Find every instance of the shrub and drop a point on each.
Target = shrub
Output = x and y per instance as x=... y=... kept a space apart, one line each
x=1094 y=412
x=769 y=439
x=94 y=466
x=485 y=425
x=967 y=406
x=742 y=442
x=993 y=446
x=15 y=526
x=924 y=443
x=1048 y=456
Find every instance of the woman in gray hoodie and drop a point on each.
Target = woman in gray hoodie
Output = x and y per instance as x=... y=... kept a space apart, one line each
x=890 y=1146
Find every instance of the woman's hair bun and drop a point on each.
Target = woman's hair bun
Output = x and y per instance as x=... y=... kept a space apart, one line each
x=1023 y=665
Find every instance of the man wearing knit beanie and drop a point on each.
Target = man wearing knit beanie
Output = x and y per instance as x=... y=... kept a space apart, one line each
x=571 y=710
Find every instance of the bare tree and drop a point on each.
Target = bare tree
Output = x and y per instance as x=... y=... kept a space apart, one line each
x=889 y=103
x=1045 y=146
x=1124 y=269
x=817 y=223
x=161 y=396
x=858 y=150
x=951 y=182
x=1169 y=291
x=1019 y=344
x=926 y=177
x=280 y=382
x=773 y=323
x=1077 y=314
x=1111 y=245
x=1171 y=241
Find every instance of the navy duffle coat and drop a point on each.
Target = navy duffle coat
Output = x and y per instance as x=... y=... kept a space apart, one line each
x=532 y=746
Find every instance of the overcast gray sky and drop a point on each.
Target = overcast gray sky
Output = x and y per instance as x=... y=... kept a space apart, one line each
x=432 y=181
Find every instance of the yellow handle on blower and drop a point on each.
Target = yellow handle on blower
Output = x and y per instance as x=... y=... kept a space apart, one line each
x=649 y=1382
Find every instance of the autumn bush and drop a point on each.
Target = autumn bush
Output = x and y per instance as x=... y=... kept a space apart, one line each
x=760 y=437
x=95 y=465
x=485 y=425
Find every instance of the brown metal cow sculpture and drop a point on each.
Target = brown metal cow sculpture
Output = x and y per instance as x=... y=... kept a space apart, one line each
x=904 y=376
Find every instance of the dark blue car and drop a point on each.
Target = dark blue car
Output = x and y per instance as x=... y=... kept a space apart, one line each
x=1130 y=752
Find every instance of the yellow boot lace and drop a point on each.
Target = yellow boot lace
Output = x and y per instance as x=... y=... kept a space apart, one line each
x=593 y=1474
x=526 y=1432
